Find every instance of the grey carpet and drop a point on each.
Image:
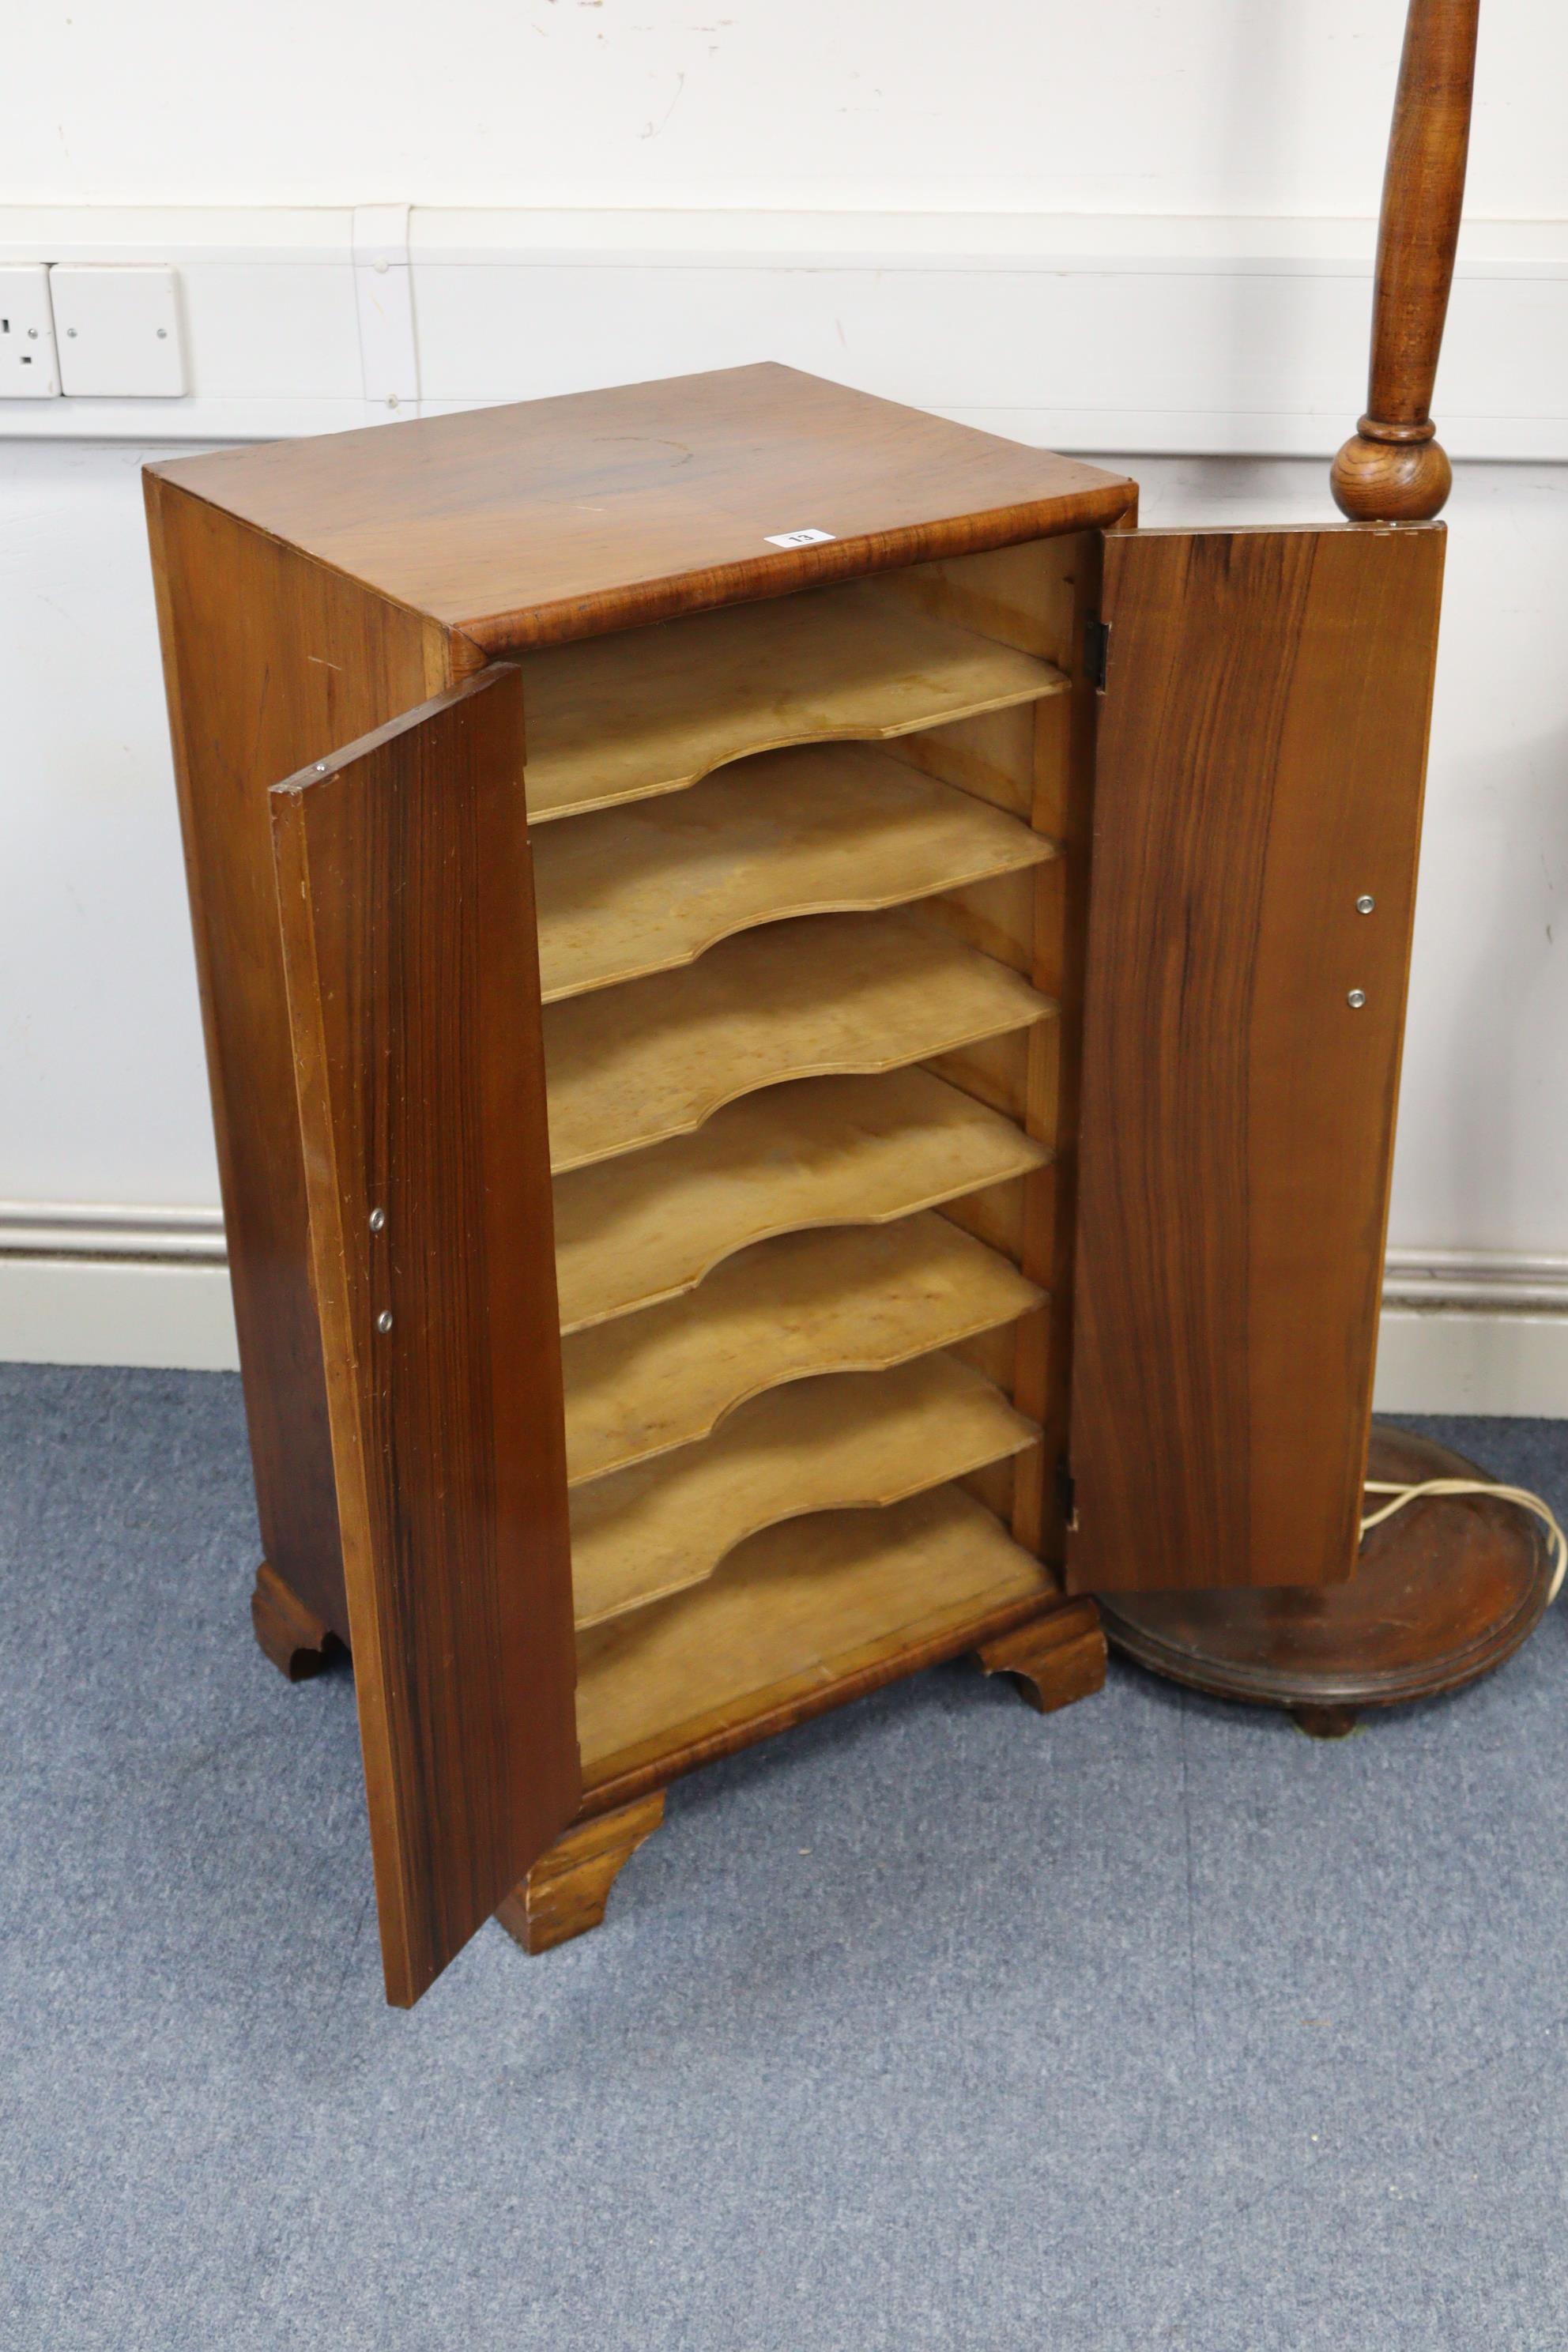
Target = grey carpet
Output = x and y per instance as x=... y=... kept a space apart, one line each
x=933 y=2024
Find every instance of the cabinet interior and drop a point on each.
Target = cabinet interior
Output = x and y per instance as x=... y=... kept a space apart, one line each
x=804 y=872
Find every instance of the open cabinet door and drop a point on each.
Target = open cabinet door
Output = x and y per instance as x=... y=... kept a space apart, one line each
x=405 y=895
x=1257 y=809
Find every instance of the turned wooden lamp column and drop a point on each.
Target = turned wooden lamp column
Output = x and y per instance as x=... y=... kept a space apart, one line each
x=1447 y=1589
x=1395 y=469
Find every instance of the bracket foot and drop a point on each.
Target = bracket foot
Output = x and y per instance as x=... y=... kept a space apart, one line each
x=565 y=1893
x=1053 y=1659
x=292 y=1636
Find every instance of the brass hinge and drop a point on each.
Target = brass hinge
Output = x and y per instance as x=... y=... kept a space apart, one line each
x=1096 y=652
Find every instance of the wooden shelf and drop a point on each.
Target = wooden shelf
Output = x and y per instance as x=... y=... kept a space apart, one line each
x=825 y=1151
x=631 y=1066
x=835 y=1598
x=646 y=889
x=856 y=1438
x=854 y=1298
x=650 y=711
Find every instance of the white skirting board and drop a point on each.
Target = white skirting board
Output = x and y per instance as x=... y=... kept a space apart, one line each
x=1460 y=1335
x=86 y=1311
x=1466 y=1359
x=1473 y=1331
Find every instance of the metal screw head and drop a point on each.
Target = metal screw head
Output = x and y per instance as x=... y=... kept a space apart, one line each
x=321 y=767
x=1366 y=903
x=163 y=334
x=33 y=333
x=1356 y=999
x=383 y=1320
x=70 y=332
x=377 y=1220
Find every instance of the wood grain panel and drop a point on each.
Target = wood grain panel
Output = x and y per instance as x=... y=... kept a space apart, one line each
x=628 y=717
x=997 y=1215
x=407 y=906
x=823 y=1151
x=1014 y=595
x=649 y=887
x=994 y=916
x=860 y=1438
x=856 y=1299
x=633 y=1066
x=572 y=517
x=991 y=756
x=995 y=1070
x=1262 y=749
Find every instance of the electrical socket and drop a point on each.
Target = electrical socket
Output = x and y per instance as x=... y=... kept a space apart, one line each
x=119 y=329
x=29 y=364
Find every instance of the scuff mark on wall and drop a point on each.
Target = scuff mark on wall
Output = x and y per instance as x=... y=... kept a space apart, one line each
x=653 y=129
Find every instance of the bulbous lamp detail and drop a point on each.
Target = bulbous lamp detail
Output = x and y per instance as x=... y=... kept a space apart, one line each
x=1394 y=469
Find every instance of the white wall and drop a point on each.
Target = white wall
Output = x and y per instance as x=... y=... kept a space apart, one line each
x=1241 y=332
x=1136 y=105
x=102 y=1089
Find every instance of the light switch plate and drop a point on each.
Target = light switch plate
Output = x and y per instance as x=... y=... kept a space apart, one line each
x=118 y=332
x=29 y=367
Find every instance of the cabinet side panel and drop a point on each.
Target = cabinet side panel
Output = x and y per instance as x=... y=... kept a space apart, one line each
x=1257 y=810
x=270 y=662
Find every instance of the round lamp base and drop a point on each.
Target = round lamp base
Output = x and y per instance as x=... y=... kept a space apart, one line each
x=1445 y=1591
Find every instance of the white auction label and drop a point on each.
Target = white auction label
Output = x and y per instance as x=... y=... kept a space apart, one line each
x=797 y=538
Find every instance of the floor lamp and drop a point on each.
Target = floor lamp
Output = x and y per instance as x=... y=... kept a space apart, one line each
x=1448 y=1588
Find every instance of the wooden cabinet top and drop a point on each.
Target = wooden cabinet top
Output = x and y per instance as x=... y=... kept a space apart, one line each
x=568 y=517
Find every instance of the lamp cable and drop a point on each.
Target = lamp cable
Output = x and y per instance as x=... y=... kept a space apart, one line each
x=1519 y=1494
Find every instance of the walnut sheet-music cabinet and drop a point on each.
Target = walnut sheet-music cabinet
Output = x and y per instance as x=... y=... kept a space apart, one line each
x=803 y=1024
